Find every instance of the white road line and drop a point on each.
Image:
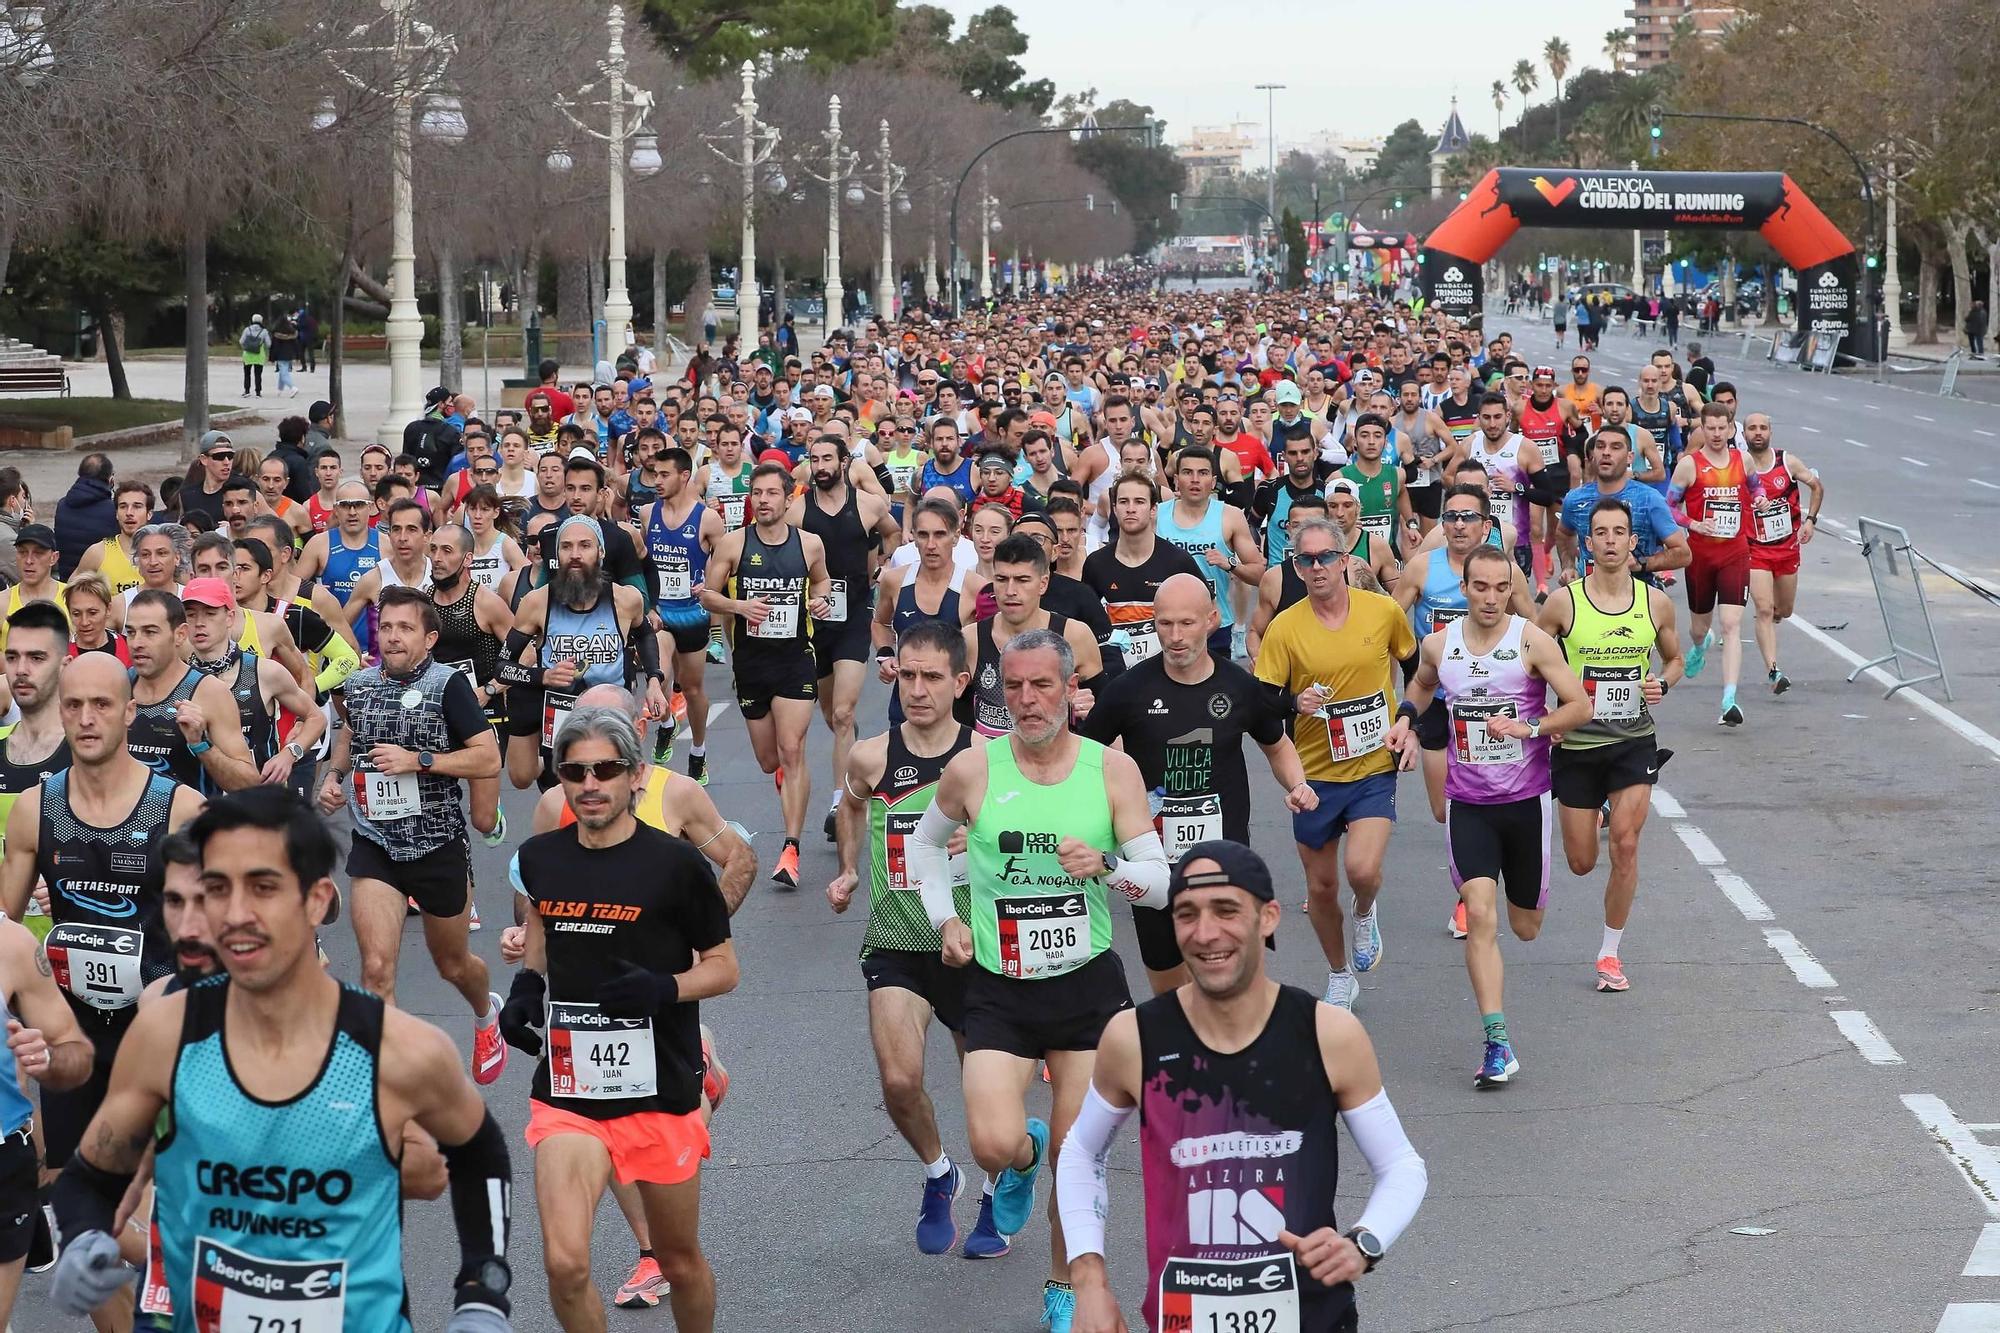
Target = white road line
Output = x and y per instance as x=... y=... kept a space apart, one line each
x=1798 y=958
x=1700 y=845
x=1977 y=1317
x=1665 y=806
x=1857 y=444
x=1867 y=1038
x=1737 y=889
x=1976 y=1161
x=1985 y=1260
x=1914 y=462
x=1927 y=420
x=1984 y=739
x=1810 y=430
x=1873 y=407
x=1981 y=481
x=1987 y=433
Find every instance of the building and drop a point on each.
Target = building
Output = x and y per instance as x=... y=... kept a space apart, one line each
x=1654 y=23
x=1213 y=151
x=1452 y=140
x=1358 y=156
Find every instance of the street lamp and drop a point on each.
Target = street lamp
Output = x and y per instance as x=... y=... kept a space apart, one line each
x=749 y=143
x=989 y=224
x=1271 y=91
x=840 y=165
x=417 y=56
x=889 y=189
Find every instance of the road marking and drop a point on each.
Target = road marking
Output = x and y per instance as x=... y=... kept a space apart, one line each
x=1985 y=1260
x=1857 y=444
x=1798 y=958
x=1666 y=806
x=1976 y=1161
x=1981 y=481
x=1737 y=889
x=1980 y=1317
x=1873 y=407
x=1984 y=739
x=1987 y=433
x=1810 y=430
x=1914 y=462
x=1927 y=420
x=1700 y=845
x=1867 y=1038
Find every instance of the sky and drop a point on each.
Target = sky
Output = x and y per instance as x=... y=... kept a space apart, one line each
x=1198 y=63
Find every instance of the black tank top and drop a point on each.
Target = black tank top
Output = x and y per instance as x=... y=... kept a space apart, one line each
x=258 y=729
x=985 y=704
x=1235 y=1148
x=847 y=545
x=908 y=613
x=104 y=896
x=155 y=740
x=778 y=575
x=1291 y=587
x=461 y=640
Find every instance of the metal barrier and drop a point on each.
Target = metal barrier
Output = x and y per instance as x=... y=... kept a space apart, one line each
x=1949 y=388
x=1906 y=612
x=1821 y=351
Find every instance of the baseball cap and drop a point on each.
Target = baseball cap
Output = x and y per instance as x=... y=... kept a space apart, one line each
x=1237 y=867
x=1287 y=392
x=37 y=534
x=215 y=437
x=798 y=414
x=1344 y=485
x=583 y=451
x=1047 y=420
x=1036 y=517
x=1545 y=372
x=320 y=408
x=435 y=395
x=824 y=391
x=209 y=592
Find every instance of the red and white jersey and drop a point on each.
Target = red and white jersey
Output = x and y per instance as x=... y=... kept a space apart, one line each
x=1721 y=496
x=1544 y=427
x=1774 y=512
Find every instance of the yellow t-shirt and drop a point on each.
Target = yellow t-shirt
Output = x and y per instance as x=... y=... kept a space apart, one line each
x=1348 y=740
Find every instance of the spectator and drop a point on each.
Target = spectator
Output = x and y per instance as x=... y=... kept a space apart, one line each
x=432 y=439
x=201 y=490
x=308 y=338
x=14 y=515
x=86 y=516
x=560 y=403
x=255 y=340
x=1975 y=330
x=170 y=501
x=319 y=430
x=294 y=451
x=285 y=353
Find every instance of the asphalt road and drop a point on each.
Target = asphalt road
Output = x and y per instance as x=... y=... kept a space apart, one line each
x=1778 y=1127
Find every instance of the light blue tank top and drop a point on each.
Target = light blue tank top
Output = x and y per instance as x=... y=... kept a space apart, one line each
x=1443 y=597
x=680 y=562
x=1203 y=536
x=16 y=1111
x=588 y=638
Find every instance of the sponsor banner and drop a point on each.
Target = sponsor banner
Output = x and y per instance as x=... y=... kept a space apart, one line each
x=1451 y=284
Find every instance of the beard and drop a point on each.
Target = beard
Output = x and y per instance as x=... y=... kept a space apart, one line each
x=211 y=964
x=446 y=582
x=575 y=588
x=828 y=482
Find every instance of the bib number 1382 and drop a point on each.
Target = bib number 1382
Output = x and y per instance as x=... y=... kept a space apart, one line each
x=1230 y=1296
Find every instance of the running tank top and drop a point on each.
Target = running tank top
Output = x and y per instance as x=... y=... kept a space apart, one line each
x=777 y=574
x=279 y=1215
x=896 y=915
x=319 y=513
x=731 y=493
x=1543 y=427
x=1610 y=651
x=1721 y=495
x=1442 y=600
x=17 y=1113
x=344 y=566
x=1506 y=480
x=104 y=897
x=1233 y=1149
x=1461 y=419
x=117 y=567
x=239 y=671
x=1100 y=486
x=17 y=778
x=156 y=741
x=1205 y=535
x=590 y=638
x=680 y=561
x=461 y=644
x=1774 y=514
x=987 y=699
x=908 y=613
x=1659 y=423
x=1486 y=769
x=847 y=545
x=488 y=567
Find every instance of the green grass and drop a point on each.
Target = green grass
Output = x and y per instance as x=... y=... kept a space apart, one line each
x=93 y=416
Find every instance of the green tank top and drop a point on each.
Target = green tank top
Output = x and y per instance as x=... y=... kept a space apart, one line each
x=1030 y=919
x=1610 y=653
x=1379 y=496
x=896 y=916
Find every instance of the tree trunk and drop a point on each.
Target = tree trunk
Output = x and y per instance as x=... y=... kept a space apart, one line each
x=110 y=337
x=337 y=332
x=598 y=343
x=573 y=312
x=6 y=248
x=660 y=307
x=1929 y=265
x=451 y=320
x=365 y=280
x=528 y=291
x=194 y=377
x=1992 y=294
x=1770 y=296
x=1961 y=278
x=700 y=298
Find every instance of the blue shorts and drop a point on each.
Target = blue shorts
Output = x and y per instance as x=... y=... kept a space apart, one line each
x=1340 y=804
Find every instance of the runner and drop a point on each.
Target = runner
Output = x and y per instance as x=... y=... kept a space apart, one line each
x=1127 y=574
x=908 y=981
x=1429 y=452
x=1546 y=422
x=1511 y=468
x=1305 y=475
x=1183 y=718
x=1661 y=545
x=405 y=536
x=170 y=731
x=1020 y=582
x=1044 y=810
x=934 y=588
x=494 y=554
x=1610 y=624
x=272 y=478
x=772 y=578
x=1777 y=533
x=116 y=557
x=260 y=687
x=1371 y=564
x=1718 y=493
x=1217 y=535
x=473 y=623
x=249 y=1060
x=1493 y=671
x=1386 y=513
x=1661 y=417
x=414 y=732
x=626 y=933
x=338 y=557
x=1650 y=466
x=33 y=749
x=35 y=553
x=320 y=504
x=1333 y=658
x=1252 y=1073
x=1281 y=587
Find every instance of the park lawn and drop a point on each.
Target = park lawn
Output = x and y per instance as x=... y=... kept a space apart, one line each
x=94 y=416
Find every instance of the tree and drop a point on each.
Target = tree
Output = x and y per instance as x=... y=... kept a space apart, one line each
x=987 y=67
x=1294 y=234
x=1141 y=171
x=1405 y=158
x=1617 y=43
x=1555 y=54
x=712 y=36
x=1499 y=108
x=1525 y=81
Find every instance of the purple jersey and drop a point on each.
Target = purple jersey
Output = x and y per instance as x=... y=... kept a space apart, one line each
x=1485 y=769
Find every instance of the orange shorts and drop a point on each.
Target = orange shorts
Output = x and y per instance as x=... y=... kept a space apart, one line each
x=649 y=1147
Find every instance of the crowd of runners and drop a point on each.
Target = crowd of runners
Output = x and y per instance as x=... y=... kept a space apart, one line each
x=1089 y=541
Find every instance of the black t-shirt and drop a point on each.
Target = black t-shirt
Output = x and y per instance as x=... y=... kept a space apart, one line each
x=1128 y=590
x=650 y=900
x=1068 y=597
x=433 y=442
x=192 y=500
x=464 y=717
x=1188 y=740
x=1699 y=374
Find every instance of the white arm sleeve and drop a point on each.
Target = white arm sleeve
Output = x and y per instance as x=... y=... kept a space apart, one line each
x=1400 y=1177
x=1143 y=874
x=930 y=864
x=1083 y=1199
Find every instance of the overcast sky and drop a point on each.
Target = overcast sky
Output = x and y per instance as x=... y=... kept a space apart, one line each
x=1198 y=63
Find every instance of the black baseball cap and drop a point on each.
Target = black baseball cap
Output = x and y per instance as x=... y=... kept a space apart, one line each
x=319 y=411
x=1238 y=868
x=37 y=534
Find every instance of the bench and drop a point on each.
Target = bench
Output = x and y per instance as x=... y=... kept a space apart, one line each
x=366 y=342
x=51 y=378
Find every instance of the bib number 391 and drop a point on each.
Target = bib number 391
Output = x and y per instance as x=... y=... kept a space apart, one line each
x=1230 y=1296
x=242 y=1293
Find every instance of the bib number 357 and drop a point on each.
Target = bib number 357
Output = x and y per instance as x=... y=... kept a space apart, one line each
x=1230 y=1296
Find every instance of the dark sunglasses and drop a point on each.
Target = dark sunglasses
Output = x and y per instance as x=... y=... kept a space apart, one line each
x=1324 y=560
x=222 y=455
x=604 y=770
x=1461 y=516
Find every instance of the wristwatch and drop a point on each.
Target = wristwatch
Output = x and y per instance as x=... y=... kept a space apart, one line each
x=1535 y=730
x=1369 y=1244
x=424 y=760
x=1110 y=865
x=296 y=751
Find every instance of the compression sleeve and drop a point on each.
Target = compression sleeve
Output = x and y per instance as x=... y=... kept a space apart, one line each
x=930 y=864
x=646 y=649
x=1083 y=1194
x=1400 y=1176
x=482 y=1182
x=339 y=662
x=509 y=669
x=1142 y=874
x=86 y=1197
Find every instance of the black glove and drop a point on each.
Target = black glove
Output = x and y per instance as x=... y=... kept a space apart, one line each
x=634 y=992
x=523 y=1012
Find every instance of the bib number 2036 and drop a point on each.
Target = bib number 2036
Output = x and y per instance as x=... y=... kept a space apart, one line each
x=1044 y=935
x=1230 y=1296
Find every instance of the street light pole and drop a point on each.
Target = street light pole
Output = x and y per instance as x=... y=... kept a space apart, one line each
x=985 y=239
x=835 y=297
x=617 y=300
x=886 y=286
x=747 y=296
x=1271 y=91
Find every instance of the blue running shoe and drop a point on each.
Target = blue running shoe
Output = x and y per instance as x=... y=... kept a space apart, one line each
x=1058 y=1307
x=1498 y=1067
x=1367 y=942
x=984 y=1241
x=936 y=1231
x=1697 y=657
x=1014 y=1194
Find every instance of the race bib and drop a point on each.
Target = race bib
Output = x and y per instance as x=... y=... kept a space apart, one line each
x=836 y=602
x=1184 y=821
x=242 y=1293
x=1145 y=641
x=782 y=623
x=1445 y=615
x=1472 y=742
x=1043 y=936
x=465 y=669
x=99 y=965
x=676 y=579
x=732 y=510
x=1379 y=527
x=154 y=1297
x=595 y=1057
x=1231 y=1295
x=1355 y=727
x=897 y=826
x=1614 y=692
x=1551 y=452
x=1725 y=516
x=1774 y=523
x=903 y=478
x=556 y=707
x=385 y=796
x=1503 y=507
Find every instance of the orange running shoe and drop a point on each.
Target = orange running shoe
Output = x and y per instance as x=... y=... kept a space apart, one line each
x=1458 y=930
x=714 y=1078
x=642 y=1290
x=787 y=873
x=679 y=705
x=1610 y=975
x=489 y=1051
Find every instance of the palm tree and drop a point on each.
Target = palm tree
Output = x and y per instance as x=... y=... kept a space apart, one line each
x=1555 y=54
x=1617 y=44
x=1499 y=108
x=1526 y=81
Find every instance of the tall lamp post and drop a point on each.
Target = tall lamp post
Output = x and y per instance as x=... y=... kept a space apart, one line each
x=613 y=95
x=417 y=56
x=989 y=223
x=749 y=143
x=889 y=189
x=841 y=163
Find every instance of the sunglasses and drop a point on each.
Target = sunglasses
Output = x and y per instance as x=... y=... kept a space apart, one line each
x=221 y=455
x=350 y=504
x=604 y=770
x=1324 y=560
x=1461 y=516
x=486 y=472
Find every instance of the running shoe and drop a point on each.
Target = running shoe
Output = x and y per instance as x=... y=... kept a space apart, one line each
x=715 y=652
x=1058 y=1307
x=787 y=873
x=1014 y=1193
x=642 y=1290
x=410 y=908
x=778 y=780
x=985 y=1240
x=1497 y=1068
x=1342 y=990
x=663 y=741
x=678 y=706
x=489 y=1052
x=1457 y=927
x=499 y=833
x=473 y=923
x=714 y=1078
x=1611 y=975
x=1697 y=657
x=698 y=768
x=936 y=1231
x=1732 y=716
x=42 y=1244
x=1779 y=682
x=1367 y=947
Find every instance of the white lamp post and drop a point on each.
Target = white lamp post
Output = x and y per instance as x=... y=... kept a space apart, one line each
x=889 y=189
x=748 y=143
x=989 y=223
x=841 y=163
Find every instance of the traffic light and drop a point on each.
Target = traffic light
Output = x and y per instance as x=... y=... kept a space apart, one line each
x=1872 y=261
x=1654 y=128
